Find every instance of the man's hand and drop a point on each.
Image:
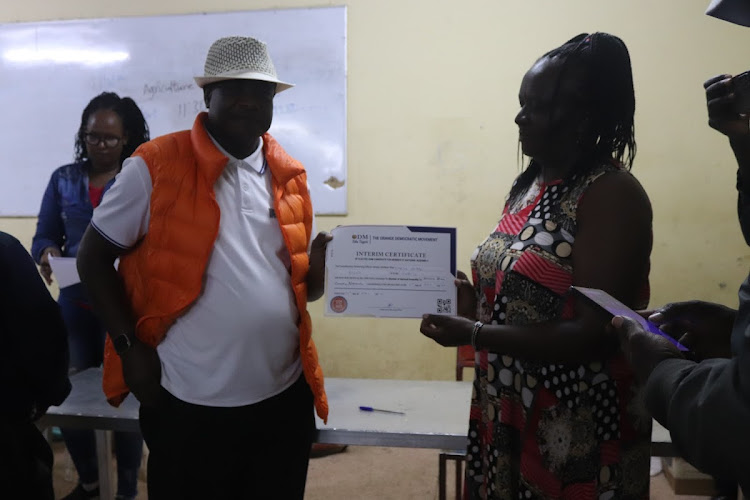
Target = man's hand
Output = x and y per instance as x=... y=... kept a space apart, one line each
x=466 y=297
x=704 y=327
x=317 y=270
x=44 y=268
x=141 y=369
x=448 y=331
x=643 y=350
x=721 y=112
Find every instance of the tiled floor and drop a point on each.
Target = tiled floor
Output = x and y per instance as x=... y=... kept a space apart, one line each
x=366 y=473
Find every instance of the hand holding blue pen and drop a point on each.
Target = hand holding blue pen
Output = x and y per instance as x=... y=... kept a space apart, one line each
x=370 y=408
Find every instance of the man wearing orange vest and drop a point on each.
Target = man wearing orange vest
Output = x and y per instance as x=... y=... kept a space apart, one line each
x=207 y=313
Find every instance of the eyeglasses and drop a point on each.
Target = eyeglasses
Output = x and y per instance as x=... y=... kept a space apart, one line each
x=95 y=140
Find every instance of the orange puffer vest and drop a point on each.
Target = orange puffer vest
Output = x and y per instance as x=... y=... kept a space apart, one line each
x=163 y=274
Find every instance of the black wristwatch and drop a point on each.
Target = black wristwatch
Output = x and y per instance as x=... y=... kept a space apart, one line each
x=121 y=343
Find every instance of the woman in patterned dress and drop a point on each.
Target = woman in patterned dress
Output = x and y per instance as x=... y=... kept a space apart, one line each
x=553 y=411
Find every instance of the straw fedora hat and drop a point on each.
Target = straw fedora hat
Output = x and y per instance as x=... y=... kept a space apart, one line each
x=239 y=58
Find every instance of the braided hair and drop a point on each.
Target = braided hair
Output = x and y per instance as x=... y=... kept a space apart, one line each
x=604 y=62
x=133 y=123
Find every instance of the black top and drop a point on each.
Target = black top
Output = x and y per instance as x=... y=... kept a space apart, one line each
x=706 y=405
x=34 y=352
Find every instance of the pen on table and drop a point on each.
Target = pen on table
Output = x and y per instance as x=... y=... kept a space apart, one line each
x=370 y=408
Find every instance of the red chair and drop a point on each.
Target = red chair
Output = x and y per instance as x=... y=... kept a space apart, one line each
x=464 y=359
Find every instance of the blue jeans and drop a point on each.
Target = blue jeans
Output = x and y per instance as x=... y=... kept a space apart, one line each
x=86 y=343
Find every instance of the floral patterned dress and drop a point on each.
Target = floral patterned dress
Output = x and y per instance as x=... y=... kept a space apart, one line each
x=541 y=430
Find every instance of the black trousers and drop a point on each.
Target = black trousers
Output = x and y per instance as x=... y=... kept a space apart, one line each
x=25 y=462
x=256 y=451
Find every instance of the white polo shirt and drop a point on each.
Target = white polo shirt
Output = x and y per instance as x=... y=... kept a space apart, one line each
x=239 y=342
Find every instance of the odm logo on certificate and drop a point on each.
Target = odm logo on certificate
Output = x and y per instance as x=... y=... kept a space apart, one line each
x=391 y=271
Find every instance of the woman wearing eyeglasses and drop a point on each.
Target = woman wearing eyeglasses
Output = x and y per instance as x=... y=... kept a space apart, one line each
x=110 y=131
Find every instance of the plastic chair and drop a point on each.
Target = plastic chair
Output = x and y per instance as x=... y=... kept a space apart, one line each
x=464 y=359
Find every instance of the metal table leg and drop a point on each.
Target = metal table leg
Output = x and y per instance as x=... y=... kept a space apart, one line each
x=104 y=460
x=441 y=476
x=459 y=478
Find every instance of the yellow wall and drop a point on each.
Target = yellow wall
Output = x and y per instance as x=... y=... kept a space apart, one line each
x=432 y=93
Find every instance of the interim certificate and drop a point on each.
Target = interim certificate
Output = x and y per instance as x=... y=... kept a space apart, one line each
x=391 y=271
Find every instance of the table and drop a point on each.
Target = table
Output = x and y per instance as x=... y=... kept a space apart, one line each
x=436 y=414
x=86 y=408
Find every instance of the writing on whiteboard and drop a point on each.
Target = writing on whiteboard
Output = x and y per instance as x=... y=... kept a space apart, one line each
x=106 y=81
x=151 y=90
x=190 y=108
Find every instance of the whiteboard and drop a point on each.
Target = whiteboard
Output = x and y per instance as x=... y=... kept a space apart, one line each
x=49 y=71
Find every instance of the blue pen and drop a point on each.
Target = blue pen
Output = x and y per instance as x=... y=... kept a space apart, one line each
x=370 y=408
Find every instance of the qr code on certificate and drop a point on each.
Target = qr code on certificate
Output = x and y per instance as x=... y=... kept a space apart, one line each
x=443 y=305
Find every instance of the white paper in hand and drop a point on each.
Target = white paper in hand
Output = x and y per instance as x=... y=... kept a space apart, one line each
x=64 y=270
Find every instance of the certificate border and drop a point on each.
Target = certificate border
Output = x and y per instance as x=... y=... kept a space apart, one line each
x=432 y=229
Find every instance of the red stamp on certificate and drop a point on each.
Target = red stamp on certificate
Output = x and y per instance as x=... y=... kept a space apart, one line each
x=338 y=304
